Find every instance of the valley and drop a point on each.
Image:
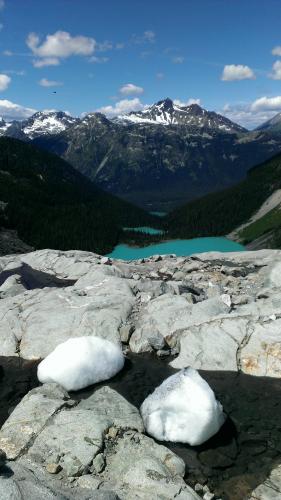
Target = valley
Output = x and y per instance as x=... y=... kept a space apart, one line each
x=158 y=158
x=49 y=203
x=140 y=250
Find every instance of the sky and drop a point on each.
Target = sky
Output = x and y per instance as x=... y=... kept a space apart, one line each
x=116 y=56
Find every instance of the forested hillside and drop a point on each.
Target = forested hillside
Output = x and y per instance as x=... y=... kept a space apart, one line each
x=53 y=206
x=221 y=212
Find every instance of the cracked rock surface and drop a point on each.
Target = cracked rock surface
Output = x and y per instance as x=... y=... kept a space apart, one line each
x=215 y=312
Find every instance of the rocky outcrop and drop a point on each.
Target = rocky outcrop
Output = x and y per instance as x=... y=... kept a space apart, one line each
x=216 y=312
x=94 y=444
x=10 y=242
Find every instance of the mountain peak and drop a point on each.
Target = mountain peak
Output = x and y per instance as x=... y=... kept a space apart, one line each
x=46 y=122
x=165 y=104
x=166 y=112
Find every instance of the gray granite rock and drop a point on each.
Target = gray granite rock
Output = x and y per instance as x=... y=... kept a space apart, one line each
x=34 y=323
x=213 y=311
x=140 y=468
x=30 y=417
x=12 y=286
x=270 y=489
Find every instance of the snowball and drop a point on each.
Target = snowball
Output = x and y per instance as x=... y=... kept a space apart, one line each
x=81 y=361
x=183 y=409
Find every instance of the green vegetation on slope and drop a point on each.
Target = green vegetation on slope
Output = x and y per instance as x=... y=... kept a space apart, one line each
x=269 y=222
x=53 y=206
x=219 y=213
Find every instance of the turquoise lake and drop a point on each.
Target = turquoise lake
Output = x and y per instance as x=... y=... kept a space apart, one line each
x=144 y=229
x=178 y=247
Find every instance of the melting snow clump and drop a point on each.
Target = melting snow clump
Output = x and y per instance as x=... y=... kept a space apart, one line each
x=183 y=409
x=81 y=361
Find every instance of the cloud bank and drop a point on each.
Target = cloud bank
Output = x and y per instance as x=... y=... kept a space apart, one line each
x=12 y=111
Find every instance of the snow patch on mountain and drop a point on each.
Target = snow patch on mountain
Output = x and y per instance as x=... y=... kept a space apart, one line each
x=166 y=112
x=47 y=122
x=41 y=123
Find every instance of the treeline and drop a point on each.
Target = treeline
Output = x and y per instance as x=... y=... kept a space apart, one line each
x=51 y=205
x=219 y=213
x=140 y=239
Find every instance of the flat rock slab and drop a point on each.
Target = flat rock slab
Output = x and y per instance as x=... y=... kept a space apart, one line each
x=168 y=314
x=140 y=468
x=106 y=404
x=34 y=323
x=31 y=278
x=210 y=347
x=30 y=417
x=74 y=434
x=19 y=482
x=262 y=354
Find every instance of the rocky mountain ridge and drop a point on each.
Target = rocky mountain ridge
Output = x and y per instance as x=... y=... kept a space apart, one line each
x=40 y=124
x=158 y=158
x=166 y=112
x=219 y=313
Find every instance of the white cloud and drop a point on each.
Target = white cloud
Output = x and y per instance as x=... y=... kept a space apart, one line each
x=12 y=111
x=252 y=114
x=276 y=74
x=48 y=61
x=276 y=51
x=267 y=103
x=177 y=60
x=122 y=107
x=233 y=72
x=2 y=4
x=5 y=81
x=131 y=89
x=44 y=82
x=58 y=46
x=190 y=101
x=99 y=60
x=160 y=75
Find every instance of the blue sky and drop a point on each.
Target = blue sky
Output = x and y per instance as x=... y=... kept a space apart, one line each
x=119 y=55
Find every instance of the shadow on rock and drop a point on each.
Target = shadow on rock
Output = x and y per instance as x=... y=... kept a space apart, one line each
x=242 y=454
x=17 y=378
x=33 y=279
x=233 y=462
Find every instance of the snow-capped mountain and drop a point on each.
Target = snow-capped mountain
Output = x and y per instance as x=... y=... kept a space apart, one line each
x=4 y=126
x=40 y=124
x=158 y=157
x=166 y=112
x=47 y=122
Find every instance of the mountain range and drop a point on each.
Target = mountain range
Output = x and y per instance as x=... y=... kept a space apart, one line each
x=157 y=158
